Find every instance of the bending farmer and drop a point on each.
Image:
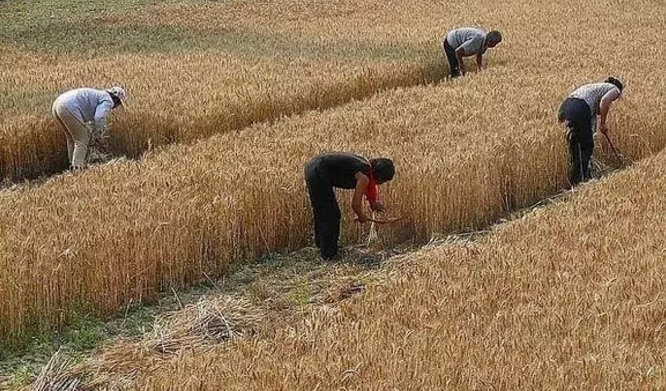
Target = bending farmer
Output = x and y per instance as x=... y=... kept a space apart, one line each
x=346 y=171
x=75 y=109
x=465 y=42
x=579 y=113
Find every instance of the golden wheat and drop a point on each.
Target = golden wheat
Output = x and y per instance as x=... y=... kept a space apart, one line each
x=567 y=297
x=125 y=231
x=183 y=97
x=466 y=151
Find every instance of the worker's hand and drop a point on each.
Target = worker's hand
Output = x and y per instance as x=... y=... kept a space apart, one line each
x=387 y=221
x=360 y=219
x=377 y=207
x=603 y=128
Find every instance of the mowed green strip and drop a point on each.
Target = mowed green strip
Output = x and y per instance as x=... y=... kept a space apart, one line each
x=93 y=29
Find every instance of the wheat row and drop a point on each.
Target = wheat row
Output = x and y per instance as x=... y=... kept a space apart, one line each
x=568 y=297
x=181 y=98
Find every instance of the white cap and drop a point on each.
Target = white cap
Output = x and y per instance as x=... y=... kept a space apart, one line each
x=119 y=92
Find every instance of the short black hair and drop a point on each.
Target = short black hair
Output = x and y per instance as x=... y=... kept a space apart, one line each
x=116 y=100
x=494 y=36
x=616 y=82
x=382 y=169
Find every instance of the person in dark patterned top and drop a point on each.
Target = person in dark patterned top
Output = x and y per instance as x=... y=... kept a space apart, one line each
x=579 y=113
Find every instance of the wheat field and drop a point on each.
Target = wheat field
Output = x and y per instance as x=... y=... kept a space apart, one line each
x=181 y=212
x=185 y=81
x=466 y=151
x=567 y=297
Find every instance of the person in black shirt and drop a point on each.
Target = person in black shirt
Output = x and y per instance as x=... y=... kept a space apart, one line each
x=346 y=171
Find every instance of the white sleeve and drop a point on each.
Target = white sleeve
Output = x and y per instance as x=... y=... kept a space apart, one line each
x=102 y=111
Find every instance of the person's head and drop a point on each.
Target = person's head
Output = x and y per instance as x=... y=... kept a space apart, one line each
x=383 y=170
x=493 y=38
x=118 y=94
x=616 y=82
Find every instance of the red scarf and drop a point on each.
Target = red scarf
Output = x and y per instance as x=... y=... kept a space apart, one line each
x=372 y=191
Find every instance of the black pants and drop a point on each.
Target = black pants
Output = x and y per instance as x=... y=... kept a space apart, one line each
x=326 y=211
x=576 y=113
x=453 y=60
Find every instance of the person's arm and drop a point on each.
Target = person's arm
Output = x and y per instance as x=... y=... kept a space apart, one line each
x=479 y=61
x=377 y=206
x=101 y=112
x=468 y=48
x=362 y=182
x=604 y=108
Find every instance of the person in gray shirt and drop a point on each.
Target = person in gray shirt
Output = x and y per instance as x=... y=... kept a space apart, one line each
x=579 y=113
x=466 y=42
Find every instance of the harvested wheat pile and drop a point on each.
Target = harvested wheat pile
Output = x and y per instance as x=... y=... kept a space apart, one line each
x=55 y=376
x=209 y=321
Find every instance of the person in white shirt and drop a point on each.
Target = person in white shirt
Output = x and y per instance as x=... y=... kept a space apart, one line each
x=80 y=111
x=579 y=113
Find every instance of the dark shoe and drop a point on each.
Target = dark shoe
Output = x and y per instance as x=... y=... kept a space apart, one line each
x=328 y=257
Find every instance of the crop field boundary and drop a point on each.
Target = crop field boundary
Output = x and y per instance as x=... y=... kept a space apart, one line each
x=44 y=151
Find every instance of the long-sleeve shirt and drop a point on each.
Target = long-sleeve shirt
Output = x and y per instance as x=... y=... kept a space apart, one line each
x=87 y=104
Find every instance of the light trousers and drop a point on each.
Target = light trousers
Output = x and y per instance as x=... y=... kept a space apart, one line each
x=77 y=133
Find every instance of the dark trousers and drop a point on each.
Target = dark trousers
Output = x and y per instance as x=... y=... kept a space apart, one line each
x=453 y=60
x=578 y=117
x=326 y=211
